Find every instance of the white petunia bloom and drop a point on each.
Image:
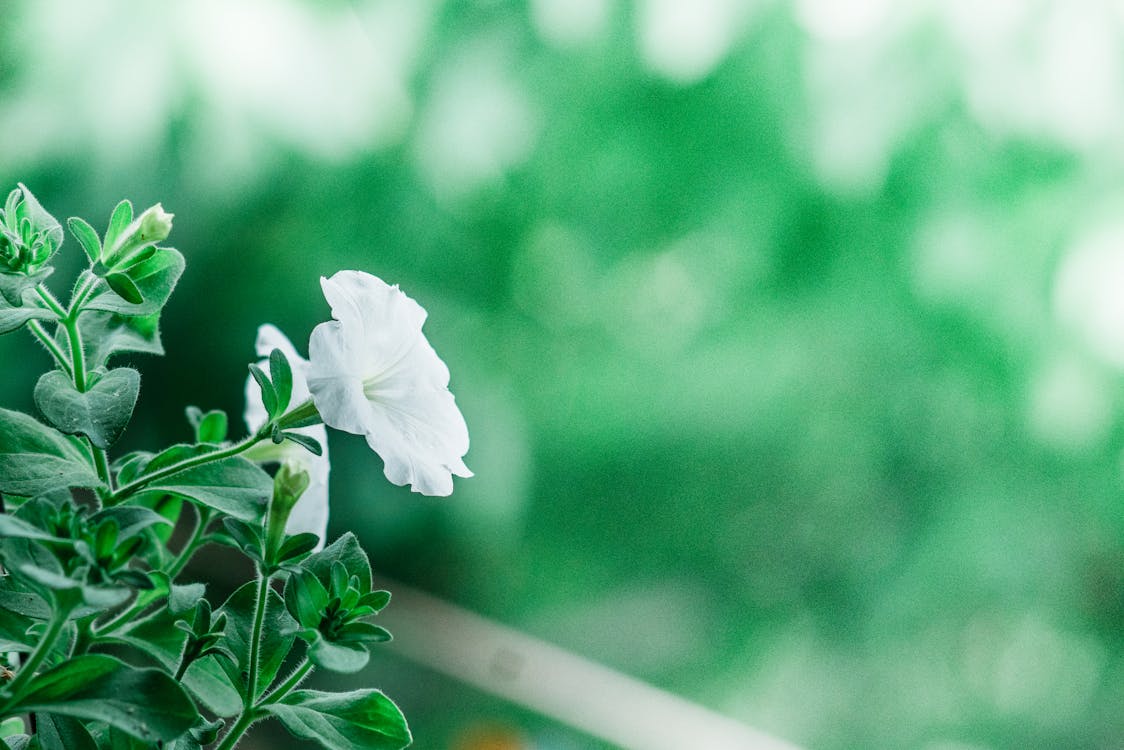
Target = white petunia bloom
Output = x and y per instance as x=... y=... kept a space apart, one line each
x=311 y=511
x=373 y=373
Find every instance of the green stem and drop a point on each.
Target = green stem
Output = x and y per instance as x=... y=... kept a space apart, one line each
x=188 y=463
x=77 y=357
x=250 y=710
x=27 y=670
x=49 y=344
x=117 y=621
x=78 y=370
x=192 y=544
x=50 y=301
x=248 y=717
x=255 y=638
x=282 y=690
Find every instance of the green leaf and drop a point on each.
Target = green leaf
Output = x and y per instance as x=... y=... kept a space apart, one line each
x=211 y=427
x=121 y=218
x=281 y=375
x=145 y=703
x=268 y=392
x=10 y=526
x=87 y=237
x=34 y=459
x=346 y=550
x=345 y=658
x=154 y=278
x=68 y=589
x=306 y=597
x=359 y=720
x=363 y=632
x=297 y=545
x=11 y=318
x=278 y=631
x=16 y=287
x=156 y=637
x=13 y=630
x=246 y=536
x=124 y=287
x=101 y=413
x=233 y=486
x=105 y=334
x=59 y=732
x=184 y=596
x=308 y=443
x=131 y=519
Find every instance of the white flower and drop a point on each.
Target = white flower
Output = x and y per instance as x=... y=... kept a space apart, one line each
x=372 y=372
x=311 y=511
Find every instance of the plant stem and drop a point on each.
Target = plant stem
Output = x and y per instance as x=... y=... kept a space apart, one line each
x=49 y=344
x=255 y=638
x=50 y=301
x=188 y=463
x=247 y=718
x=68 y=319
x=282 y=690
x=249 y=709
x=192 y=544
x=27 y=671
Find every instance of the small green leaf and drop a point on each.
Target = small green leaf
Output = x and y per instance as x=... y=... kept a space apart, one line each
x=130 y=519
x=154 y=278
x=121 y=218
x=345 y=658
x=312 y=445
x=34 y=459
x=376 y=600
x=306 y=597
x=11 y=527
x=15 y=288
x=125 y=287
x=145 y=703
x=101 y=413
x=298 y=545
x=12 y=318
x=363 y=632
x=346 y=549
x=281 y=375
x=212 y=428
x=87 y=237
x=246 y=536
x=268 y=393
x=359 y=720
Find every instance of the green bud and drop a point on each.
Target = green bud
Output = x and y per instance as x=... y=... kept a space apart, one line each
x=29 y=236
x=155 y=225
x=152 y=226
x=289 y=484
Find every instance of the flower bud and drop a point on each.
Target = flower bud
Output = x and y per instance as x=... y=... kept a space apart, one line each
x=29 y=236
x=289 y=484
x=152 y=226
x=155 y=224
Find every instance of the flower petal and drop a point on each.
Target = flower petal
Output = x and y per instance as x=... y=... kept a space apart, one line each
x=372 y=372
x=337 y=390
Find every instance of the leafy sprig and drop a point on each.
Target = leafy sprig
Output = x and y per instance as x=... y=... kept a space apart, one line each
x=101 y=645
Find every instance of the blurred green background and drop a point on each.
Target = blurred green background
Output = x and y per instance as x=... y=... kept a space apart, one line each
x=788 y=334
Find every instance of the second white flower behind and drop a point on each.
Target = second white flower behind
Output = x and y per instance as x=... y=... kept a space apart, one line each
x=372 y=372
x=311 y=511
